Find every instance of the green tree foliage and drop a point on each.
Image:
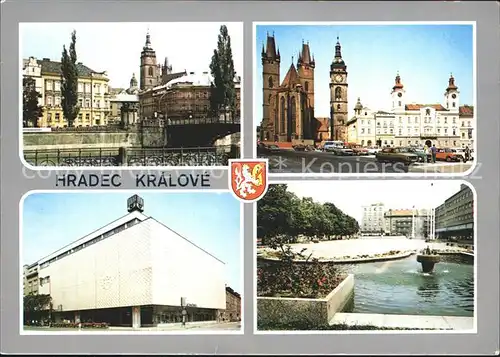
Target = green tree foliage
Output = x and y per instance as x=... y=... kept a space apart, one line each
x=223 y=91
x=31 y=109
x=37 y=307
x=69 y=82
x=282 y=217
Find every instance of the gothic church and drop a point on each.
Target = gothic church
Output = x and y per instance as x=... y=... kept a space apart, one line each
x=288 y=108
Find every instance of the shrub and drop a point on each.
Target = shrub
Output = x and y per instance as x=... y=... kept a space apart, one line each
x=82 y=325
x=337 y=327
x=287 y=278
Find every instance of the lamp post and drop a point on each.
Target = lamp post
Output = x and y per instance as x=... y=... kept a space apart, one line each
x=413 y=218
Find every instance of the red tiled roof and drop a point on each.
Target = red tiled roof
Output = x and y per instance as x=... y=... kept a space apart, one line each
x=466 y=110
x=399 y=212
x=420 y=106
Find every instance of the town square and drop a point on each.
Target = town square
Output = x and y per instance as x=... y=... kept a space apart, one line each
x=365 y=98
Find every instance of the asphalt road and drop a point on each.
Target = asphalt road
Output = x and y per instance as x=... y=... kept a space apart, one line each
x=287 y=161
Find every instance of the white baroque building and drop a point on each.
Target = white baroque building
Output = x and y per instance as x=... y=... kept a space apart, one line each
x=446 y=125
x=135 y=272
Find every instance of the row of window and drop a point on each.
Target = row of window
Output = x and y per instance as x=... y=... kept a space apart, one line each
x=409 y=142
x=97 y=88
x=391 y=124
x=58 y=117
x=96 y=103
x=93 y=241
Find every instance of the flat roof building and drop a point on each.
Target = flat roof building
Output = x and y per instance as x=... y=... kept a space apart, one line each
x=135 y=271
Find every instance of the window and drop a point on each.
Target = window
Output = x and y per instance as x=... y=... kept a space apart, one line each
x=150 y=71
x=57 y=101
x=87 y=117
x=48 y=85
x=293 y=115
x=80 y=102
x=57 y=117
x=282 y=115
x=57 y=85
x=270 y=82
x=427 y=111
x=80 y=87
x=338 y=93
x=454 y=132
x=453 y=104
x=399 y=103
x=306 y=86
x=362 y=130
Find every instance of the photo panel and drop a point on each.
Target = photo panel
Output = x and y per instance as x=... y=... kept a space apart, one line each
x=130 y=94
x=366 y=98
x=366 y=256
x=125 y=262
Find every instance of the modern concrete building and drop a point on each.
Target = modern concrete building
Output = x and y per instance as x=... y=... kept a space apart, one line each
x=30 y=279
x=373 y=219
x=455 y=217
x=413 y=223
x=135 y=272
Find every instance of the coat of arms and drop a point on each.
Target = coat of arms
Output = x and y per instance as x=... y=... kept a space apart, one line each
x=248 y=179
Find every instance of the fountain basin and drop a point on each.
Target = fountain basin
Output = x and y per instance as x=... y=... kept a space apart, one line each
x=428 y=261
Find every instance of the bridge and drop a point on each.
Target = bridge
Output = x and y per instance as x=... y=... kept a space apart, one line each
x=161 y=157
x=192 y=132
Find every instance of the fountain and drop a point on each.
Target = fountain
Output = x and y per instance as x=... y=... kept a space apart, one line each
x=428 y=259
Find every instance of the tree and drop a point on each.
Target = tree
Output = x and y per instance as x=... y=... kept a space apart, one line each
x=37 y=307
x=31 y=109
x=282 y=216
x=69 y=82
x=222 y=89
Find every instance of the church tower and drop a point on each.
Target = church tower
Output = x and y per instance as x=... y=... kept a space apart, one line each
x=305 y=69
x=451 y=96
x=149 y=67
x=270 y=82
x=338 y=95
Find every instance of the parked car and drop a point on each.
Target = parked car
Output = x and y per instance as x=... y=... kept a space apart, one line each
x=372 y=150
x=299 y=147
x=330 y=145
x=449 y=155
x=359 y=150
x=343 y=151
x=263 y=149
x=422 y=156
x=394 y=155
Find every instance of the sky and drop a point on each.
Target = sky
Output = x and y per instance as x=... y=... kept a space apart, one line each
x=424 y=55
x=351 y=196
x=210 y=220
x=116 y=47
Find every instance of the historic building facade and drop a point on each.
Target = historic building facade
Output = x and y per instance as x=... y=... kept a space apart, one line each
x=446 y=125
x=233 y=306
x=454 y=218
x=184 y=96
x=93 y=93
x=174 y=95
x=288 y=105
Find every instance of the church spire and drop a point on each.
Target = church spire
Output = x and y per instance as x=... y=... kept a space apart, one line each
x=338 y=63
x=147 y=45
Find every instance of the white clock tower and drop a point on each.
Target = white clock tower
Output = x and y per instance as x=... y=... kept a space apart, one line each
x=451 y=96
x=398 y=95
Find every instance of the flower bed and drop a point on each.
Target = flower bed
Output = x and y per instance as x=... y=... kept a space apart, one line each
x=97 y=325
x=276 y=255
x=289 y=279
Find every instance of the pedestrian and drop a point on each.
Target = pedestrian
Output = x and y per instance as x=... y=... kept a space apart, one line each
x=467 y=153
x=433 y=153
x=426 y=152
